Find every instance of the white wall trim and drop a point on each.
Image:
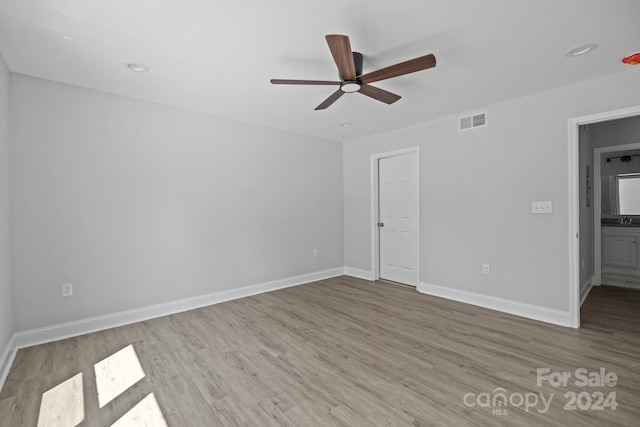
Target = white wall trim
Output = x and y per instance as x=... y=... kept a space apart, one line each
x=573 y=181
x=6 y=360
x=98 y=323
x=70 y=329
x=535 y=312
x=628 y=285
x=586 y=288
x=620 y=270
x=359 y=273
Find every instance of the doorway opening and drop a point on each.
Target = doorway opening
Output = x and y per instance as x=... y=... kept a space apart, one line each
x=615 y=244
x=395 y=216
x=577 y=289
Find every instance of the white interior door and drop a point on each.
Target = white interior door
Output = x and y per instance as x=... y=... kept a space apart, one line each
x=398 y=218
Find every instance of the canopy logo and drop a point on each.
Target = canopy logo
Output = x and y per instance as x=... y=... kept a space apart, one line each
x=499 y=400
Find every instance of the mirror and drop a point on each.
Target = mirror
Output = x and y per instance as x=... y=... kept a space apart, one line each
x=628 y=194
x=620 y=194
x=620 y=183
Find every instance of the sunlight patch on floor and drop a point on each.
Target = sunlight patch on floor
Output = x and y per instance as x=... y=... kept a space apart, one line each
x=63 y=405
x=116 y=373
x=144 y=414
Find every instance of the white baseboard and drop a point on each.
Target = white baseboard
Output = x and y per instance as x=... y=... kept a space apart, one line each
x=98 y=323
x=624 y=285
x=6 y=360
x=586 y=288
x=620 y=280
x=621 y=270
x=360 y=274
x=530 y=311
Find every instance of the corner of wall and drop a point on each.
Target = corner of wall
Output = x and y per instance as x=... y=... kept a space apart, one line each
x=6 y=360
x=359 y=273
x=7 y=318
x=585 y=288
x=530 y=311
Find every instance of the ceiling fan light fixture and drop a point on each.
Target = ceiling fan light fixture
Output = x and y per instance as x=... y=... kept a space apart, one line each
x=350 y=86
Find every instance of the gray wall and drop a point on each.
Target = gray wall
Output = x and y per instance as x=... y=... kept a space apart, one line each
x=616 y=166
x=615 y=132
x=138 y=204
x=476 y=193
x=6 y=306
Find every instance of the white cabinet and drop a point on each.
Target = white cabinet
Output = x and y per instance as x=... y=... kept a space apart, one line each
x=620 y=250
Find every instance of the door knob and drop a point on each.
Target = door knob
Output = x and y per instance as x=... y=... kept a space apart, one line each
x=381 y=224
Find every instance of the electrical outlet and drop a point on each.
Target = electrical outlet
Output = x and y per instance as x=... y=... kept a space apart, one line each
x=315 y=253
x=486 y=269
x=67 y=289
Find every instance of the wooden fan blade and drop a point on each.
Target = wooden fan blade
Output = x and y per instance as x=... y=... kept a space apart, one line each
x=330 y=100
x=341 y=50
x=303 y=82
x=379 y=94
x=407 y=67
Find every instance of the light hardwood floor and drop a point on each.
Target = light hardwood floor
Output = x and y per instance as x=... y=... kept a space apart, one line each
x=346 y=352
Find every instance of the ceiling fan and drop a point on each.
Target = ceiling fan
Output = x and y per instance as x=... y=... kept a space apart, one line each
x=350 y=71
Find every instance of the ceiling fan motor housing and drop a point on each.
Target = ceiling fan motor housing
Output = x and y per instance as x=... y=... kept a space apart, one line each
x=350 y=86
x=357 y=59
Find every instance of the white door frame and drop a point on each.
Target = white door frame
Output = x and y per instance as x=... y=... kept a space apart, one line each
x=597 y=200
x=375 y=241
x=574 y=200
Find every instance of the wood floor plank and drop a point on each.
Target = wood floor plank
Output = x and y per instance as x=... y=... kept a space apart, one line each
x=345 y=352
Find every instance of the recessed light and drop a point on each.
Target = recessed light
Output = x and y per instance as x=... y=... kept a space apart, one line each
x=136 y=67
x=346 y=125
x=580 y=50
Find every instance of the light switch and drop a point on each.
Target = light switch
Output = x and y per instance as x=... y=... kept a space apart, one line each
x=536 y=207
x=541 y=207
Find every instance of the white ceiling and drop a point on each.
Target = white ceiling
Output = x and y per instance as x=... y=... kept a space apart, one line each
x=218 y=57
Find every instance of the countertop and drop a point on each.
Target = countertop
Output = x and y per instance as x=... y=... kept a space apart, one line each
x=615 y=222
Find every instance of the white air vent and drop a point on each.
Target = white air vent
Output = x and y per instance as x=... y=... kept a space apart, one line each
x=473 y=121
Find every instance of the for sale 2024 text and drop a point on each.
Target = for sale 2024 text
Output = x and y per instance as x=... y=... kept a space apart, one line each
x=582 y=377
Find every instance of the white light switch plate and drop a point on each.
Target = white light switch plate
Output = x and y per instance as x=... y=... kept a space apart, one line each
x=541 y=207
